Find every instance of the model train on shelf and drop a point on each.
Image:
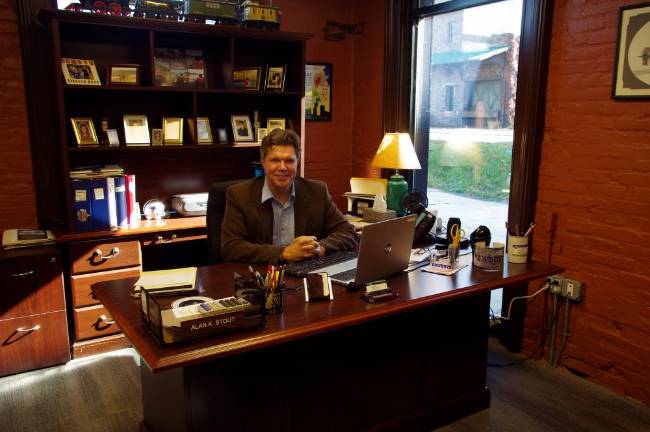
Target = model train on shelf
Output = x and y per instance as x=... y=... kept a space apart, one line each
x=245 y=13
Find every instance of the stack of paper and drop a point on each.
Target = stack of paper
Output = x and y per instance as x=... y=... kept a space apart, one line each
x=17 y=238
x=174 y=280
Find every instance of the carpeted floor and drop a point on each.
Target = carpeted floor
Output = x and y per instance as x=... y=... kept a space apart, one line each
x=103 y=394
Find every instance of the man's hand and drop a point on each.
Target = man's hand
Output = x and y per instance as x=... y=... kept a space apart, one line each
x=301 y=248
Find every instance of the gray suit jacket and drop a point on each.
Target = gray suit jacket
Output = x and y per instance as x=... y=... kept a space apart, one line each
x=247 y=228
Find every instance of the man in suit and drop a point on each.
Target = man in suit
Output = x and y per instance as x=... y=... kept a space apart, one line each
x=281 y=216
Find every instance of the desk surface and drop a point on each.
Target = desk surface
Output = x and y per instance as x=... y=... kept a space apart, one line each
x=417 y=289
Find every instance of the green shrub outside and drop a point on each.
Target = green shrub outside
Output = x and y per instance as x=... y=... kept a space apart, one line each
x=481 y=170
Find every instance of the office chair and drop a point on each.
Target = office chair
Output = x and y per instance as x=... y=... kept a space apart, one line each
x=214 y=217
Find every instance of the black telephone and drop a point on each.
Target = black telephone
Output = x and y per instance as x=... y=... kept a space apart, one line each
x=423 y=223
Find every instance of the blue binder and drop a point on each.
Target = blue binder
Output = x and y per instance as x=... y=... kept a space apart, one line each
x=99 y=202
x=120 y=201
x=81 y=205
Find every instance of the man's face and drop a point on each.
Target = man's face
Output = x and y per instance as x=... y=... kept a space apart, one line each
x=280 y=165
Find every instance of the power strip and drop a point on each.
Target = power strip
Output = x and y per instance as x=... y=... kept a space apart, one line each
x=566 y=287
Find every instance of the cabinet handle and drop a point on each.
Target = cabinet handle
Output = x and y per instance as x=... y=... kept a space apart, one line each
x=29 y=273
x=160 y=239
x=114 y=252
x=25 y=330
x=104 y=319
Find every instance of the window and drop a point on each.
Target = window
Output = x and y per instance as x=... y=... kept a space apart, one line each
x=468 y=143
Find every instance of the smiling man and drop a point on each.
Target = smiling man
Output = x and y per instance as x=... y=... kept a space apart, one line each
x=281 y=216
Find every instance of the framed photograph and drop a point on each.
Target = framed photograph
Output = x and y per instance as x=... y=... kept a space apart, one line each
x=246 y=78
x=80 y=72
x=261 y=133
x=203 y=132
x=84 y=131
x=241 y=128
x=222 y=135
x=157 y=137
x=124 y=75
x=318 y=91
x=275 y=77
x=275 y=123
x=632 y=71
x=136 y=130
x=112 y=138
x=172 y=130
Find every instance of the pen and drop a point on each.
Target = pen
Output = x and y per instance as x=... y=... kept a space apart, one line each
x=532 y=225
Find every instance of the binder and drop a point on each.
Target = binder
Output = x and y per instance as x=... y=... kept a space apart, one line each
x=133 y=213
x=112 y=204
x=81 y=205
x=99 y=202
x=120 y=201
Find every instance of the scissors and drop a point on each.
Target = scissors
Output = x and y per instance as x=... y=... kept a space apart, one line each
x=455 y=234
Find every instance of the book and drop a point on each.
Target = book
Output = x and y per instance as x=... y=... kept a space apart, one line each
x=112 y=204
x=81 y=205
x=99 y=203
x=132 y=210
x=15 y=238
x=120 y=202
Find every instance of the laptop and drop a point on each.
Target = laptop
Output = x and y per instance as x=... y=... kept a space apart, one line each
x=384 y=250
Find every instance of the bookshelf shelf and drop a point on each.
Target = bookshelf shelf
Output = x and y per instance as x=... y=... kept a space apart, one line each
x=161 y=171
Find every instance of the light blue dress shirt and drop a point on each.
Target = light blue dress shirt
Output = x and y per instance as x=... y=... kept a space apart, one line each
x=283 y=216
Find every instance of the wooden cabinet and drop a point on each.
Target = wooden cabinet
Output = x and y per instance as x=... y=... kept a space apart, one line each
x=91 y=262
x=33 y=323
x=161 y=171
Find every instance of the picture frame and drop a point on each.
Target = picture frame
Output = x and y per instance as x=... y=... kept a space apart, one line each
x=261 y=133
x=222 y=135
x=241 y=128
x=123 y=75
x=275 y=78
x=112 y=137
x=172 y=130
x=157 y=137
x=203 y=131
x=136 y=130
x=247 y=78
x=275 y=123
x=632 y=67
x=80 y=72
x=84 y=131
x=318 y=91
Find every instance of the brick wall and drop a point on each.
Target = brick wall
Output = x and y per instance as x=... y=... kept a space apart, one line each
x=17 y=203
x=595 y=176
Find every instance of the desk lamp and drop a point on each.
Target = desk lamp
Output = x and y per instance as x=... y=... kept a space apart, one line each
x=396 y=151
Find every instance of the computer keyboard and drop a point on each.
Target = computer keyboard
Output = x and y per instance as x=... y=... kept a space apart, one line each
x=345 y=275
x=301 y=268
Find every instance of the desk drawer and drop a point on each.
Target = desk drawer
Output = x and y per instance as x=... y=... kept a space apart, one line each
x=86 y=257
x=30 y=285
x=22 y=350
x=173 y=236
x=82 y=294
x=92 y=322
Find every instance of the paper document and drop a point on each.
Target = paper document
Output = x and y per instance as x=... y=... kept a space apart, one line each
x=368 y=186
x=161 y=279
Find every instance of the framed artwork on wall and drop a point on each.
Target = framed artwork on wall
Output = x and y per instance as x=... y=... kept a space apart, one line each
x=318 y=91
x=632 y=69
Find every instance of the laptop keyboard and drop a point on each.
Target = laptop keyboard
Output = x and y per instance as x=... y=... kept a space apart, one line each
x=345 y=275
x=301 y=268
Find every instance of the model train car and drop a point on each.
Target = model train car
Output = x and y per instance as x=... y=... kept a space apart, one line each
x=253 y=14
x=115 y=7
x=221 y=12
x=159 y=9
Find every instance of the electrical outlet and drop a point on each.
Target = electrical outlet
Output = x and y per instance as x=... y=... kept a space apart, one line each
x=565 y=287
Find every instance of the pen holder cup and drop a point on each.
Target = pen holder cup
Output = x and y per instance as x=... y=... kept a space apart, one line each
x=517 y=249
x=445 y=259
x=488 y=258
x=274 y=303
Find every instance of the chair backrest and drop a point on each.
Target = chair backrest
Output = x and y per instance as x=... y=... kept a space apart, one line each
x=214 y=217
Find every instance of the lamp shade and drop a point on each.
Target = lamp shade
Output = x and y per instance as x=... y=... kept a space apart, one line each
x=396 y=151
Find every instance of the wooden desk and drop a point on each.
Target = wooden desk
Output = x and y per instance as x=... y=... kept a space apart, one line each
x=410 y=364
